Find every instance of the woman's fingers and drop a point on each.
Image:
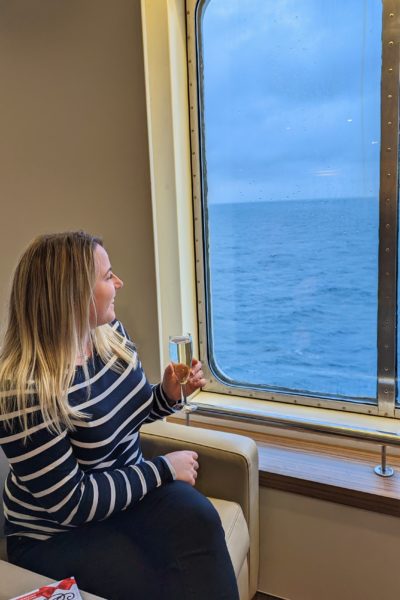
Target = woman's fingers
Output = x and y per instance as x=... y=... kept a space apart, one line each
x=196 y=367
x=192 y=453
x=197 y=376
x=185 y=464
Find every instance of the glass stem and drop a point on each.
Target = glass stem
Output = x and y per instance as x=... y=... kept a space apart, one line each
x=185 y=403
x=183 y=394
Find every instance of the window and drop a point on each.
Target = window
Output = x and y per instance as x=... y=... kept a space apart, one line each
x=294 y=119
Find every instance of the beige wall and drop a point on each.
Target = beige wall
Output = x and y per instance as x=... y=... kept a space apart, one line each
x=73 y=142
x=316 y=550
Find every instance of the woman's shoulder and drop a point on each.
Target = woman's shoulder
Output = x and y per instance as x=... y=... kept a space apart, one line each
x=15 y=419
x=117 y=326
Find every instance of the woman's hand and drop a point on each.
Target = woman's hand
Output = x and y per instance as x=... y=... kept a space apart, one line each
x=171 y=386
x=185 y=464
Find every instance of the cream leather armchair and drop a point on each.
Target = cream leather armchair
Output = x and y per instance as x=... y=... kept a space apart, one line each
x=228 y=475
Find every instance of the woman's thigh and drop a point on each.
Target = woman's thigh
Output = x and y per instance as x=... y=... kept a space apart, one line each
x=182 y=531
x=104 y=561
x=169 y=545
x=172 y=518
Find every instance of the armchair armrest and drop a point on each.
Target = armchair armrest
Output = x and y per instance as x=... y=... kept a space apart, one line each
x=228 y=470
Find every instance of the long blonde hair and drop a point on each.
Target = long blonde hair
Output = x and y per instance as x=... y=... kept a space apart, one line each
x=48 y=323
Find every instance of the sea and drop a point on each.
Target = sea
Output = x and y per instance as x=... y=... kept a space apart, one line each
x=293 y=294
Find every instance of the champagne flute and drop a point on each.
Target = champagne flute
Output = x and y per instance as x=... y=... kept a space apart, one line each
x=181 y=355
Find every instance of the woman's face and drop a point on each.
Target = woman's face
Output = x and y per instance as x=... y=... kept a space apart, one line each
x=106 y=286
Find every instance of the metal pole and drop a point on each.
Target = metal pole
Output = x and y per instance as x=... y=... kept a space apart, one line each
x=383 y=470
x=301 y=424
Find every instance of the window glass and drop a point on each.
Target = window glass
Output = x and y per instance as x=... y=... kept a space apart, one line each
x=290 y=101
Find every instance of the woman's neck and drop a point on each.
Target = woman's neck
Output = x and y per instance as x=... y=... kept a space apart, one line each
x=86 y=352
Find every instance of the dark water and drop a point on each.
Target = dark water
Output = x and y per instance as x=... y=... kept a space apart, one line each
x=294 y=294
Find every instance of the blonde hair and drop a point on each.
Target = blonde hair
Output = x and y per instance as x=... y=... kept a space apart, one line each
x=48 y=323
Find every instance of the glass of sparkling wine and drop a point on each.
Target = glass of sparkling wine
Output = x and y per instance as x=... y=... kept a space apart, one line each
x=181 y=355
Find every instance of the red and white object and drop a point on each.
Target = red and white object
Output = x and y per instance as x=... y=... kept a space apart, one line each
x=60 y=590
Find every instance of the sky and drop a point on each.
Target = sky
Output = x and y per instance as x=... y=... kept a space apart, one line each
x=291 y=99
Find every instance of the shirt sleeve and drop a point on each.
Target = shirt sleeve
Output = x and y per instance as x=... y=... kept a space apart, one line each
x=161 y=406
x=44 y=465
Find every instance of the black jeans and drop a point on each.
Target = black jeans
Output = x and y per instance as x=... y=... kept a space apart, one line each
x=169 y=546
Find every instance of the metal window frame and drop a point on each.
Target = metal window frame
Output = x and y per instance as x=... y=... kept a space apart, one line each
x=384 y=405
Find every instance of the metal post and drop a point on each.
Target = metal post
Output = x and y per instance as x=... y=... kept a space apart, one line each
x=383 y=470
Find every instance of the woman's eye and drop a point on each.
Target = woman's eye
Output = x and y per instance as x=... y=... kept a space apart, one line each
x=110 y=276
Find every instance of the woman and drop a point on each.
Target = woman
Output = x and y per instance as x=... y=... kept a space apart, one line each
x=80 y=499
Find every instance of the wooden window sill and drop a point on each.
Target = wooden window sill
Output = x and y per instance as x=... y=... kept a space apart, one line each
x=323 y=471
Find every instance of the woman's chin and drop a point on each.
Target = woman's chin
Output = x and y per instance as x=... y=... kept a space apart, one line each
x=107 y=319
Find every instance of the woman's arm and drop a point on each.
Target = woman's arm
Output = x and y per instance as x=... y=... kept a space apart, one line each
x=162 y=405
x=47 y=468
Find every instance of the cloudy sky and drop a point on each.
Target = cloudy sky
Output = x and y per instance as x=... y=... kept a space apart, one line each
x=292 y=98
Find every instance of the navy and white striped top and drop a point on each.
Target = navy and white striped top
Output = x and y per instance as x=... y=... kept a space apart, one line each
x=60 y=481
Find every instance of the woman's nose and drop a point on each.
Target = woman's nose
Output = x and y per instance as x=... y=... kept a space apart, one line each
x=118 y=283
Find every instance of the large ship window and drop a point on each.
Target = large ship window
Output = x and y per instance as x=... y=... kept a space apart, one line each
x=294 y=120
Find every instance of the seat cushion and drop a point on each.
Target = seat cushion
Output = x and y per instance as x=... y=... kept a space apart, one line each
x=236 y=531
x=3 y=548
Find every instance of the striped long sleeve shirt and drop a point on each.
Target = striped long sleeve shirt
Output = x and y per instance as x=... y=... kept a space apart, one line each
x=61 y=481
